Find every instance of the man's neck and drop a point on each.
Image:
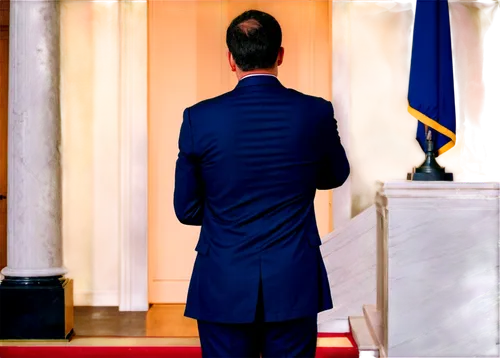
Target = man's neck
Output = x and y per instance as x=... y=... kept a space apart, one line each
x=271 y=72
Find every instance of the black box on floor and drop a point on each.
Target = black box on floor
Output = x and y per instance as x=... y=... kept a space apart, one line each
x=36 y=308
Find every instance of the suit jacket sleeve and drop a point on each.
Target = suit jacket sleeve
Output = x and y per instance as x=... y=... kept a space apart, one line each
x=188 y=192
x=334 y=167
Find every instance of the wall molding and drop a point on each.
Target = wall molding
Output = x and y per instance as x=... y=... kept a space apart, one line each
x=133 y=114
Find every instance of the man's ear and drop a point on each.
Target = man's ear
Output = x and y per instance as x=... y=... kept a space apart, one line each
x=231 y=61
x=281 y=54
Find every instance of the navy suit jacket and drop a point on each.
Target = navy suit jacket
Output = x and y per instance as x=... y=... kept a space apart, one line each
x=249 y=164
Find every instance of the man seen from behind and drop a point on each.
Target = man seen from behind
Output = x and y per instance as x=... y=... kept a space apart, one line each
x=250 y=162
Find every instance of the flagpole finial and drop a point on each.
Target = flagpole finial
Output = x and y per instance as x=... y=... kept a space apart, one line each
x=430 y=170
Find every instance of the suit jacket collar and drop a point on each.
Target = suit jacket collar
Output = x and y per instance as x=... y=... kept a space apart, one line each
x=258 y=80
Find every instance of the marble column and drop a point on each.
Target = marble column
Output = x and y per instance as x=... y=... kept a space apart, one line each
x=34 y=242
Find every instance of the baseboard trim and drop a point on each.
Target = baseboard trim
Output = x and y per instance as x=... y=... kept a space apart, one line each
x=97 y=298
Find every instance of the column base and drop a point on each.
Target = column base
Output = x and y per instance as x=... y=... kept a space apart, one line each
x=36 y=308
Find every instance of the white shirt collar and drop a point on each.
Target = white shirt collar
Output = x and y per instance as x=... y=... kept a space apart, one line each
x=257 y=74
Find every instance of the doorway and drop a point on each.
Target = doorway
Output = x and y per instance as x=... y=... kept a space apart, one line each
x=187 y=64
x=4 y=91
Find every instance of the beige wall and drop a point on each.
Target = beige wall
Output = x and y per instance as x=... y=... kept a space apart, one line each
x=90 y=95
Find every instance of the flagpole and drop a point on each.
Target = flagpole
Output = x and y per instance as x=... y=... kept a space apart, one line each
x=430 y=170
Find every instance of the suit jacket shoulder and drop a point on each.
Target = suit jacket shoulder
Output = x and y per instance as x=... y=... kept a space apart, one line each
x=211 y=103
x=319 y=101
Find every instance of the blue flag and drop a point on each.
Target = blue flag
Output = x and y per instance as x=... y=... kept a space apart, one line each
x=431 y=96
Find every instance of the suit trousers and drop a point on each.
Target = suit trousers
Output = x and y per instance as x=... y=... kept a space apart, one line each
x=288 y=339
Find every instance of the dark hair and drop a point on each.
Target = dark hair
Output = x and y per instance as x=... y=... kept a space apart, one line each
x=254 y=40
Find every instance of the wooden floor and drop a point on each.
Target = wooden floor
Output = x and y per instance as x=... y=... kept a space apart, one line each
x=162 y=325
x=159 y=321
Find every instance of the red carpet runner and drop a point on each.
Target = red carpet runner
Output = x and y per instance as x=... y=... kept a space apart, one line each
x=147 y=352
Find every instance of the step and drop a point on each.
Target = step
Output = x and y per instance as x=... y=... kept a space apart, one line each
x=363 y=338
